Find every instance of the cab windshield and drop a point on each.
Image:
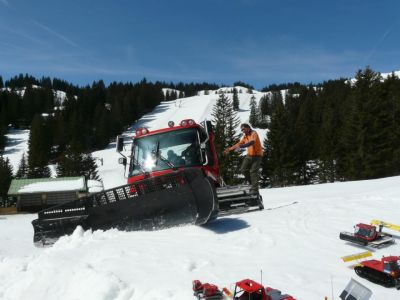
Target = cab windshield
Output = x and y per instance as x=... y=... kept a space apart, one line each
x=392 y=266
x=364 y=232
x=165 y=150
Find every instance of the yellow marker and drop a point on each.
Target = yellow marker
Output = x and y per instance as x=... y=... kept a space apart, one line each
x=356 y=256
x=386 y=225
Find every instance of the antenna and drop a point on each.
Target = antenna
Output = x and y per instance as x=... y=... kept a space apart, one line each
x=261 y=277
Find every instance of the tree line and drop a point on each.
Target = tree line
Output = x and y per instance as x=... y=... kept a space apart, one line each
x=335 y=131
x=338 y=130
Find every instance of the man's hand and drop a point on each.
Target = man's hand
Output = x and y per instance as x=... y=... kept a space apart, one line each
x=226 y=151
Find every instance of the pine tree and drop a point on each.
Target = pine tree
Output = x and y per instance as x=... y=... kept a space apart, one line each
x=167 y=96
x=1 y=82
x=73 y=163
x=235 y=100
x=379 y=124
x=333 y=98
x=391 y=86
x=5 y=178
x=22 y=168
x=280 y=163
x=264 y=111
x=276 y=151
x=89 y=167
x=253 y=119
x=326 y=146
x=103 y=127
x=305 y=131
x=360 y=140
x=39 y=144
x=2 y=137
x=276 y=100
x=70 y=164
x=225 y=123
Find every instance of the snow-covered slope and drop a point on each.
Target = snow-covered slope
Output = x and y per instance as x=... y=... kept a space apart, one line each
x=296 y=245
x=17 y=144
x=59 y=96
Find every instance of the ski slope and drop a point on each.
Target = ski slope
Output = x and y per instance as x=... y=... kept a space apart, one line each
x=294 y=241
x=296 y=245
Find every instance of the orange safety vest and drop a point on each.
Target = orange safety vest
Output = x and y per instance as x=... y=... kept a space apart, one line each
x=255 y=149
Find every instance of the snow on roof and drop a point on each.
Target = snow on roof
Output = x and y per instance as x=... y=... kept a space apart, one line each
x=95 y=186
x=61 y=184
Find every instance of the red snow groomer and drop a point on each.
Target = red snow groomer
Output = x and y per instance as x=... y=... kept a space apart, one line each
x=173 y=180
x=385 y=272
x=248 y=289
x=206 y=291
x=367 y=235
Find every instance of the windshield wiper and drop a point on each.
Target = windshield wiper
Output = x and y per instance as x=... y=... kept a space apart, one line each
x=164 y=159
x=168 y=162
x=142 y=170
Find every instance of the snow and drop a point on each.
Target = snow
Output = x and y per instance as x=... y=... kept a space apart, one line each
x=296 y=245
x=386 y=75
x=294 y=241
x=17 y=144
x=95 y=186
x=59 y=96
x=168 y=90
x=54 y=186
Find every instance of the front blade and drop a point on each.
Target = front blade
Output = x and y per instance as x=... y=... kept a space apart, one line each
x=181 y=197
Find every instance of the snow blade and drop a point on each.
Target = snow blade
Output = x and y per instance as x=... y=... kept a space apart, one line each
x=350 y=237
x=182 y=197
x=356 y=256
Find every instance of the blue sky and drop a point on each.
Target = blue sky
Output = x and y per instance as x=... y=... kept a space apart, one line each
x=222 y=41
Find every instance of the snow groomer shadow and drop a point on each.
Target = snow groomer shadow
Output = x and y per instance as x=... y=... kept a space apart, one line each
x=225 y=225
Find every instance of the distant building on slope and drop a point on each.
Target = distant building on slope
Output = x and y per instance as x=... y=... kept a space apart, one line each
x=40 y=193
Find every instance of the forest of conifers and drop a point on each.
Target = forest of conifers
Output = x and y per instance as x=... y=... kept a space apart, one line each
x=335 y=130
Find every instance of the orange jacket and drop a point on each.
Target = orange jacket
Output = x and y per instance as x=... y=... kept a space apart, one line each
x=255 y=149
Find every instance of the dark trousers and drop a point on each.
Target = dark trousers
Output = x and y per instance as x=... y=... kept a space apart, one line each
x=250 y=168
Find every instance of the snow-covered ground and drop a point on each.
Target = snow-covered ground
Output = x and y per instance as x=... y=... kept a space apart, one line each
x=17 y=144
x=296 y=245
x=294 y=241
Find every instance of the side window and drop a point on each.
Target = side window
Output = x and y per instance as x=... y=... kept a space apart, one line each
x=386 y=267
x=372 y=233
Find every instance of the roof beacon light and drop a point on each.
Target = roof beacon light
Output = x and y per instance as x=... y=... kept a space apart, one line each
x=171 y=124
x=145 y=130
x=187 y=122
x=141 y=131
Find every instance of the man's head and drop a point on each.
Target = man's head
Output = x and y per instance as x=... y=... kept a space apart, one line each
x=245 y=128
x=171 y=154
